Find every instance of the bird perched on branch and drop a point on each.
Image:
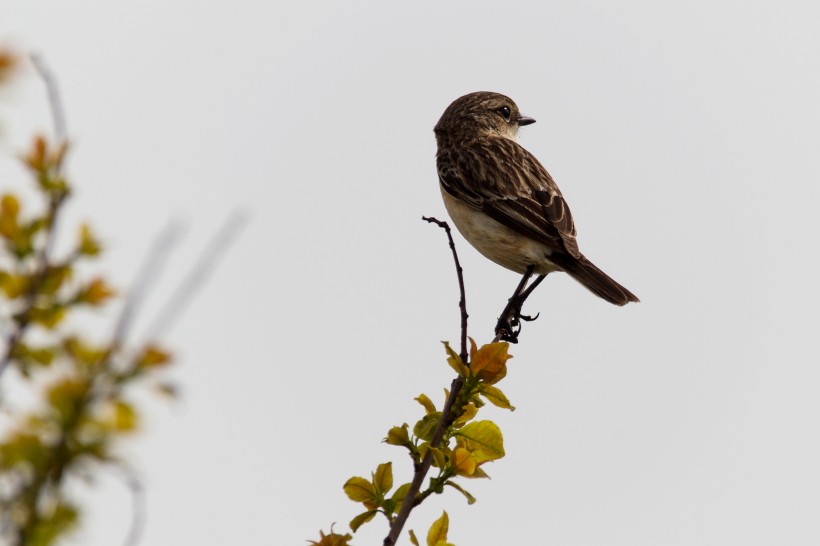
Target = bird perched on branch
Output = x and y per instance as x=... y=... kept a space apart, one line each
x=504 y=202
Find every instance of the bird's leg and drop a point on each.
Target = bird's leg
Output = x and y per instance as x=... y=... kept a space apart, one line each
x=526 y=294
x=509 y=325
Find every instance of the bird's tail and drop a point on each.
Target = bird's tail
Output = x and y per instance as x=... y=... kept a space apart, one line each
x=598 y=282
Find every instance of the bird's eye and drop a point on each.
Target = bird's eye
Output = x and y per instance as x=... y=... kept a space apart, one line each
x=505 y=113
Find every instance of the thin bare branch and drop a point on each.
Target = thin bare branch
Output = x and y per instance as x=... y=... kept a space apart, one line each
x=462 y=302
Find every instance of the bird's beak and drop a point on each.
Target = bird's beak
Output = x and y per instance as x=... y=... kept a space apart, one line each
x=524 y=120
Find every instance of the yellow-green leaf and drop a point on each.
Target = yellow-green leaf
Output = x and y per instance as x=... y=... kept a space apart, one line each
x=14 y=286
x=426 y=426
x=483 y=440
x=53 y=279
x=125 y=417
x=454 y=360
x=438 y=531
x=468 y=412
x=425 y=401
x=361 y=519
x=360 y=490
x=496 y=397
x=88 y=245
x=383 y=477
x=9 y=208
x=413 y=539
x=48 y=317
x=467 y=495
x=66 y=397
x=333 y=539
x=398 y=436
x=400 y=494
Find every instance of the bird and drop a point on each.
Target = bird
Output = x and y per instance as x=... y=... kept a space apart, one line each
x=504 y=202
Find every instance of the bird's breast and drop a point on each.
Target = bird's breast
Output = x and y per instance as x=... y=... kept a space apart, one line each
x=496 y=241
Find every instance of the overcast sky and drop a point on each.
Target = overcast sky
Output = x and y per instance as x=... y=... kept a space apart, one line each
x=684 y=136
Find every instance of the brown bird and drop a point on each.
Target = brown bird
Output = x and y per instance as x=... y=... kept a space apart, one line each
x=504 y=202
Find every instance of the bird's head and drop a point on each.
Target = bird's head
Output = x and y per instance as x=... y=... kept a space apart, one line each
x=480 y=114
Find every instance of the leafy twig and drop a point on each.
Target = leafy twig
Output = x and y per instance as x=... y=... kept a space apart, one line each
x=412 y=500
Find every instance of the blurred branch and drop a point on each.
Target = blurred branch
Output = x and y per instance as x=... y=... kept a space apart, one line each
x=199 y=273
x=134 y=485
x=57 y=197
x=150 y=270
x=54 y=101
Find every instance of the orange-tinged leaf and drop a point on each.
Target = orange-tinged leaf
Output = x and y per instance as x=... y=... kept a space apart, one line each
x=96 y=292
x=152 y=356
x=36 y=158
x=462 y=462
x=383 y=477
x=454 y=360
x=360 y=490
x=8 y=62
x=496 y=397
x=438 y=531
x=489 y=363
x=483 y=440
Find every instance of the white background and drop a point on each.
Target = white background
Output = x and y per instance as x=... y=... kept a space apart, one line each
x=684 y=136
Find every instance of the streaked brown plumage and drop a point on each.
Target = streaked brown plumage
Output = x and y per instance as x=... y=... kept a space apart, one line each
x=503 y=201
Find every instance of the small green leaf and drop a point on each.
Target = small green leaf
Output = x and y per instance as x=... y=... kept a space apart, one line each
x=454 y=485
x=413 y=538
x=426 y=426
x=496 y=397
x=361 y=519
x=400 y=494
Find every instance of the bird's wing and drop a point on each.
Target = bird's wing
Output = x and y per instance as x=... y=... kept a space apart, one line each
x=500 y=178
